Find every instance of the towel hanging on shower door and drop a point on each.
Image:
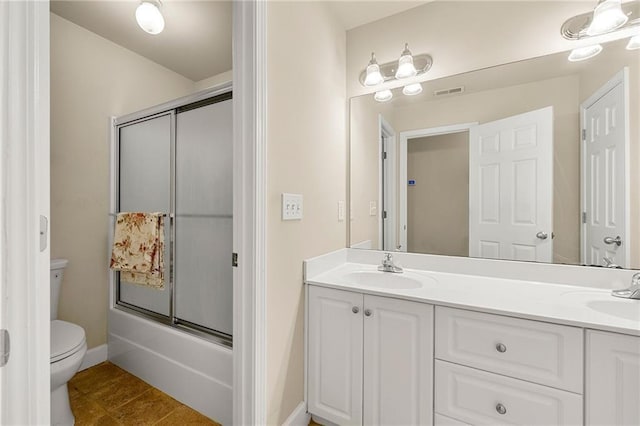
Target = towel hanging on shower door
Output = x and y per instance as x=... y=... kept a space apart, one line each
x=138 y=248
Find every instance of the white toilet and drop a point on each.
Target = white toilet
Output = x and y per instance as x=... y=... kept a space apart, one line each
x=68 y=347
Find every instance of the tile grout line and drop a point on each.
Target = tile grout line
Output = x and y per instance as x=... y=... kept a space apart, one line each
x=168 y=414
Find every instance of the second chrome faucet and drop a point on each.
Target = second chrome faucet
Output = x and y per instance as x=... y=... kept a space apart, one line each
x=388 y=265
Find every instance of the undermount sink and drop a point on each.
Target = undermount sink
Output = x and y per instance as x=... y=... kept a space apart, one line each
x=406 y=280
x=623 y=309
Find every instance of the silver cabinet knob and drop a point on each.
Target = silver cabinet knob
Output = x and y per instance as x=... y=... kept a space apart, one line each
x=617 y=240
x=355 y=309
x=501 y=409
x=500 y=347
x=542 y=235
x=368 y=312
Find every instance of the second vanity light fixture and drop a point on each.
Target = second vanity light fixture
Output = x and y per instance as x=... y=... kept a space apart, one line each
x=149 y=16
x=607 y=17
x=406 y=67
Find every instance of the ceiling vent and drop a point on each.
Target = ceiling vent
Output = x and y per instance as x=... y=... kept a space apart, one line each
x=452 y=91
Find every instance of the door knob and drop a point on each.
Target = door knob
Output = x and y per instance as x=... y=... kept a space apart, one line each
x=542 y=235
x=617 y=240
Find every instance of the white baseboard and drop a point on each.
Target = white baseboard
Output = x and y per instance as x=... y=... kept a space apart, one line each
x=94 y=356
x=299 y=416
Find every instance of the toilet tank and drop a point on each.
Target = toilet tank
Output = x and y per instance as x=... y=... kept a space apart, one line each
x=57 y=271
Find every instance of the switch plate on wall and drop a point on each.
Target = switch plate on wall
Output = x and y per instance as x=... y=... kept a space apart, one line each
x=291 y=206
x=340 y=211
x=373 y=208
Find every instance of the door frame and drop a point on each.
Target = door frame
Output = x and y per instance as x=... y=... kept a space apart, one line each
x=621 y=77
x=249 y=211
x=390 y=191
x=402 y=174
x=24 y=265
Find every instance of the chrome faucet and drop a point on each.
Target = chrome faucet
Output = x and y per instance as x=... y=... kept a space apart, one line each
x=633 y=292
x=387 y=265
x=608 y=263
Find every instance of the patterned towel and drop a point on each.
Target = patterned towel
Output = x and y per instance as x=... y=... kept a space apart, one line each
x=138 y=249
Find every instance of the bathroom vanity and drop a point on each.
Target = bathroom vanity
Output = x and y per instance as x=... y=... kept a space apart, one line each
x=443 y=343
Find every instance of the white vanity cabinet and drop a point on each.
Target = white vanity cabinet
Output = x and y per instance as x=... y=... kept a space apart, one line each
x=492 y=369
x=612 y=379
x=370 y=359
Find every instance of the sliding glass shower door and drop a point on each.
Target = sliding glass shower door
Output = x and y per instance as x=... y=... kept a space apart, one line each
x=204 y=220
x=180 y=163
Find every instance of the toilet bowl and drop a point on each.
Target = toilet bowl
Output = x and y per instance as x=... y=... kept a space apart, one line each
x=68 y=348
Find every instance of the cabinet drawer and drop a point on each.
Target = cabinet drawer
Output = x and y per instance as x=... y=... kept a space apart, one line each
x=480 y=398
x=543 y=353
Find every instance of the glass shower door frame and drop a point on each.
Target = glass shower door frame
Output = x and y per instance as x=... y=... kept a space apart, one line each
x=170 y=320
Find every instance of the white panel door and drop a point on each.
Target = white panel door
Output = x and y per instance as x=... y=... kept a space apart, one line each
x=604 y=180
x=511 y=188
x=334 y=377
x=612 y=379
x=398 y=353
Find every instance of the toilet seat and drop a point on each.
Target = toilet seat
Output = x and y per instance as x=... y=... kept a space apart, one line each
x=66 y=340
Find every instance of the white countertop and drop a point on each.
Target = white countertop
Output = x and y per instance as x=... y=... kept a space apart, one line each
x=586 y=307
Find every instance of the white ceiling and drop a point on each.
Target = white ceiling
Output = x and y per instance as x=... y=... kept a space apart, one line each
x=196 y=27
x=195 y=43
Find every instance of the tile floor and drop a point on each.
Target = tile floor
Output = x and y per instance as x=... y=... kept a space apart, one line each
x=108 y=395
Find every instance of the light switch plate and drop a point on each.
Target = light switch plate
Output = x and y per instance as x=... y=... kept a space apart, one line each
x=340 y=210
x=291 y=206
x=373 y=208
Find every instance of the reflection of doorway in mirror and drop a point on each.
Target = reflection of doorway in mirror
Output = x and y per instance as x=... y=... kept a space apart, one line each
x=387 y=230
x=511 y=188
x=605 y=176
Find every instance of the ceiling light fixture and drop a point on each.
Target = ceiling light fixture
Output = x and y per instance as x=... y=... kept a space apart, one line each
x=634 y=42
x=149 y=17
x=607 y=16
x=373 y=72
x=412 y=89
x=383 y=95
x=406 y=68
x=582 y=53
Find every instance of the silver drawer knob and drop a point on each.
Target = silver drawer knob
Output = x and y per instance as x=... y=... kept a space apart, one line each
x=355 y=309
x=501 y=409
x=368 y=312
x=501 y=348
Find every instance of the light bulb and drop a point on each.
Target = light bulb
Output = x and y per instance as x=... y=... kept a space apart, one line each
x=150 y=18
x=405 y=64
x=412 y=89
x=383 y=96
x=582 y=53
x=607 y=16
x=373 y=72
x=634 y=42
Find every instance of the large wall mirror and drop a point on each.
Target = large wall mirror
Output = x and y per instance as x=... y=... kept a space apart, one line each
x=534 y=160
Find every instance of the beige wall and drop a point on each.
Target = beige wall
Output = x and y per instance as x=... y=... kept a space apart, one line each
x=91 y=80
x=438 y=204
x=463 y=35
x=213 y=80
x=307 y=151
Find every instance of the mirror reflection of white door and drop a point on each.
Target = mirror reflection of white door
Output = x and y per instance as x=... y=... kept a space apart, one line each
x=511 y=188
x=604 y=188
x=389 y=196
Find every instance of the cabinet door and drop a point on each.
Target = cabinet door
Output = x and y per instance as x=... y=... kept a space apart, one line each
x=613 y=379
x=335 y=355
x=398 y=362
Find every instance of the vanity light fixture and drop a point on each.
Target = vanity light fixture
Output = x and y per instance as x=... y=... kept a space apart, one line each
x=373 y=77
x=406 y=68
x=383 y=95
x=582 y=53
x=149 y=17
x=634 y=42
x=607 y=16
x=412 y=89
